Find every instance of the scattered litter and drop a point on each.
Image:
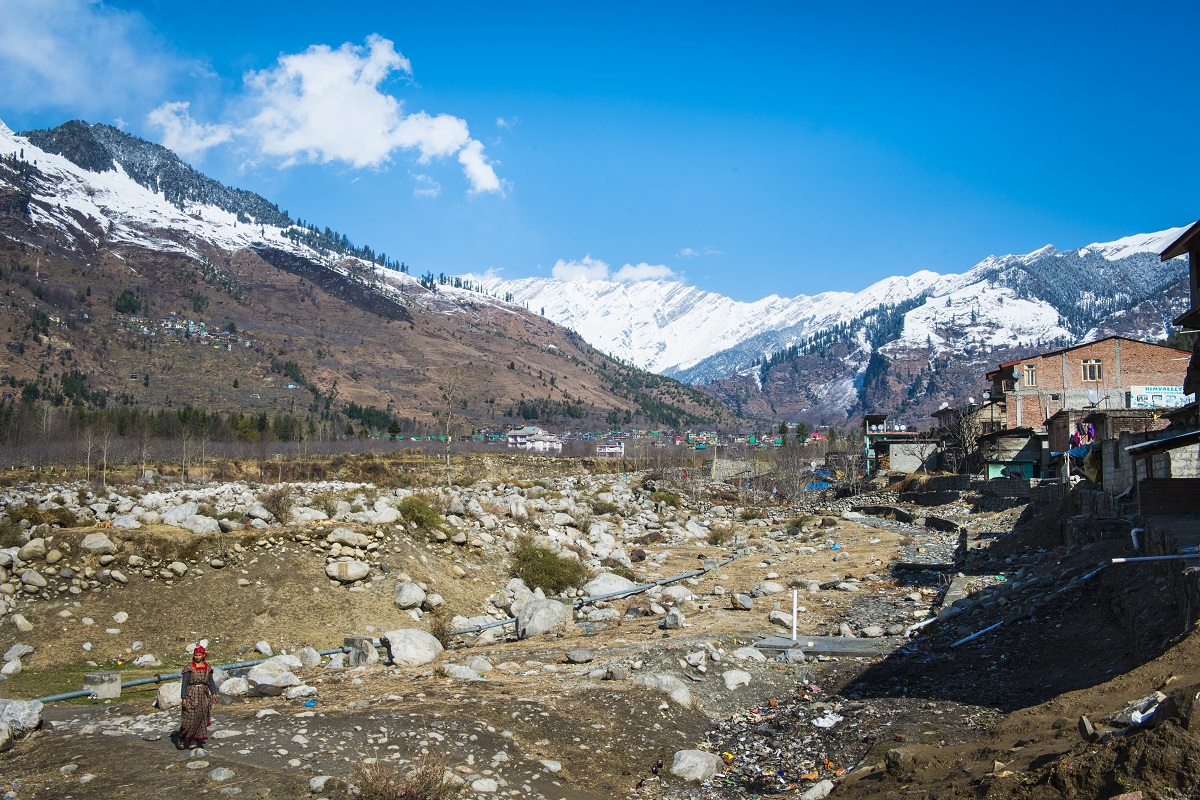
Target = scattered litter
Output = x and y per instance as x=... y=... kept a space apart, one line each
x=828 y=721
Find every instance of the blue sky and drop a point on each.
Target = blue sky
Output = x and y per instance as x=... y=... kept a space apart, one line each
x=773 y=148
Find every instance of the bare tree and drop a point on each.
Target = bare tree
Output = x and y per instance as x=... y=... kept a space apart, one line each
x=45 y=421
x=89 y=444
x=205 y=437
x=186 y=436
x=450 y=390
x=107 y=435
x=962 y=441
x=143 y=448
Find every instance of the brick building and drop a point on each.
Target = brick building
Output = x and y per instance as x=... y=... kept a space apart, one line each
x=1107 y=374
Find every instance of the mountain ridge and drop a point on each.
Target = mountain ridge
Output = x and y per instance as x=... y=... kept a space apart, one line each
x=102 y=271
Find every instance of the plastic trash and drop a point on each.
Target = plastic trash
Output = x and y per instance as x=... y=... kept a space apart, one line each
x=836 y=547
x=828 y=721
x=310 y=703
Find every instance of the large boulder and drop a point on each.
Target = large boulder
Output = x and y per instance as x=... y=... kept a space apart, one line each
x=98 y=544
x=32 y=550
x=696 y=765
x=6 y=737
x=21 y=716
x=259 y=511
x=198 y=523
x=459 y=672
x=168 y=695
x=409 y=595
x=284 y=662
x=607 y=583
x=17 y=651
x=309 y=657
x=677 y=594
x=176 y=515
x=767 y=588
x=347 y=538
x=670 y=684
x=302 y=515
x=541 y=616
x=411 y=647
x=734 y=678
x=235 y=687
x=269 y=683
x=347 y=571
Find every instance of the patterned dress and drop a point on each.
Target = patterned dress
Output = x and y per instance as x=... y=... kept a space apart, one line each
x=198 y=690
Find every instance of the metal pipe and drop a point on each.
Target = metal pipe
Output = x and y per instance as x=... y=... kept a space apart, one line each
x=1133 y=534
x=1180 y=557
x=977 y=634
x=170 y=676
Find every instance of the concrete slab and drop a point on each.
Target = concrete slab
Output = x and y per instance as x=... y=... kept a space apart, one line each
x=832 y=645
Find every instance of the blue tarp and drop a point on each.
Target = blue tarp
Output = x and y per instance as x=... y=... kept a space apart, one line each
x=815 y=485
x=1081 y=451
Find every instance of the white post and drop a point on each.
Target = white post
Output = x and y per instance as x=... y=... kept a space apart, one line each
x=795 y=600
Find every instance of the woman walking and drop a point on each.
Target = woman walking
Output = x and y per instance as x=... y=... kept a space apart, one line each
x=198 y=691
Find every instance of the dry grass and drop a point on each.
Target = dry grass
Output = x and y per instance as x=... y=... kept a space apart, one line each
x=424 y=780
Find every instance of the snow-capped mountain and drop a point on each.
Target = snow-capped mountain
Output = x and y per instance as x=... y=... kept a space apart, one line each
x=1041 y=297
x=115 y=190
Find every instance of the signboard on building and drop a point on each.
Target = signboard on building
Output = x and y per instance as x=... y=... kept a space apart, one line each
x=1157 y=397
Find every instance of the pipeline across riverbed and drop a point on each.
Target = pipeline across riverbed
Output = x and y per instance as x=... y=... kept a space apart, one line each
x=171 y=676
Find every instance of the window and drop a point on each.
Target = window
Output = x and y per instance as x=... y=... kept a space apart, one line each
x=1092 y=369
x=1030 y=375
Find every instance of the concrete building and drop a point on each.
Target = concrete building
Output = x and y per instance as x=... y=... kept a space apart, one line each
x=1109 y=374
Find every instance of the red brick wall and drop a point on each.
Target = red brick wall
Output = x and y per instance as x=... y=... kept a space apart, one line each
x=1124 y=363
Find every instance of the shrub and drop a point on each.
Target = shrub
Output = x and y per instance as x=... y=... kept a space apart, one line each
x=752 y=513
x=719 y=534
x=325 y=502
x=415 y=508
x=278 y=501
x=602 y=507
x=439 y=627
x=52 y=516
x=425 y=780
x=541 y=568
x=10 y=533
x=625 y=572
x=670 y=498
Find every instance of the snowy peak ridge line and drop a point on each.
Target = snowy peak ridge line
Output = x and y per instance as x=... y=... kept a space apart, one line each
x=668 y=327
x=173 y=208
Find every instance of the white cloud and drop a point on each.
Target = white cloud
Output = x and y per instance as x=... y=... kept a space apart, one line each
x=507 y=124
x=326 y=105
x=632 y=273
x=183 y=134
x=84 y=57
x=587 y=269
x=426 y=186
x=707 y=250
x=479 y=171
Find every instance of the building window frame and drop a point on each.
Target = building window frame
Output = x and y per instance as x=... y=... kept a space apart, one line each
x=1031 y=375
x=1092 y=370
